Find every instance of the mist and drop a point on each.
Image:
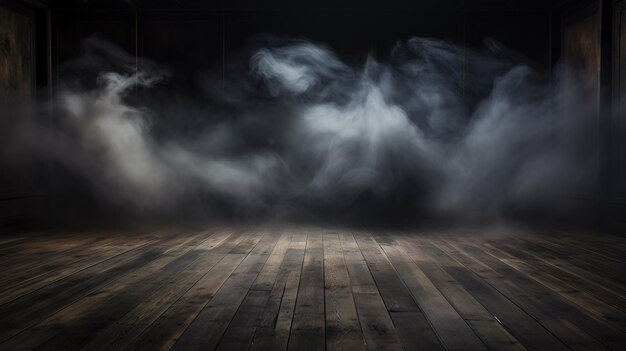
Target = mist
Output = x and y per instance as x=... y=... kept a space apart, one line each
x=293 y=131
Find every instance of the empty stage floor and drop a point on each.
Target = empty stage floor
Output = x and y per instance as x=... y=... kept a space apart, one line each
x=310 y=288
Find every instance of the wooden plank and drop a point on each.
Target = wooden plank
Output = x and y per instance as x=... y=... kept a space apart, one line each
x=557 y=281
x=488 y=329
x=609 y=270
x=428 y=259
x=100 y=310
x=376 y=324
x=209 y=325
x=393 y=291
x=31 y=255
x=276 y=321
x=508 y=283
x=415 y=331
x=343 y=331
x=254 y=291
x=167 y=328
x=57 y=270
x=573 y=275
x=37 y=249
x=122 y=332
x=612 y=248
x=46 y=329
x=523 y=327
x=79 y=332
x=35 y=306
x=241 y=330
x=574 y=328
x=12 y=240
x=307 y=331
x=17 y=270
x=555 y=258
x=267 y=277
x=451 y=328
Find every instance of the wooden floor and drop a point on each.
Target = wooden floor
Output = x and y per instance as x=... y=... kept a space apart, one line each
x=311 y=288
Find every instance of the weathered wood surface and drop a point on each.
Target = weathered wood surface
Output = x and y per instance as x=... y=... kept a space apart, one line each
x=282 y=288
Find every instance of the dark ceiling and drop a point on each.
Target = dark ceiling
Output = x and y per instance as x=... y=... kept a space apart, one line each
x=422 y=5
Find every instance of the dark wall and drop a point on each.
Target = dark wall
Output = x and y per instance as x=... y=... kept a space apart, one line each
x=613 y=196
x=594 y=33
x=192 y=39
x=23 y=76
x=193 y=36
x=189 y=39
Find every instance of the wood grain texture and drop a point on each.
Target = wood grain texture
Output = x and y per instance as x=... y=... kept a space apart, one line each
x=294 y=288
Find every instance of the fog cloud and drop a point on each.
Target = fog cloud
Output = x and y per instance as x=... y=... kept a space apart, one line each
x=296 y=131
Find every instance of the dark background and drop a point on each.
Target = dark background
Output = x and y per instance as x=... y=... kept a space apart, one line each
x=208 y=33
x=191 y=36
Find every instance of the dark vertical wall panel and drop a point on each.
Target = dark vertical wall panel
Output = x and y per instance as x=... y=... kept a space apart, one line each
x=16 y=55
x=579 y=38
x=187 y=39
x=17 y=89
x=72 y=28
x=524 y=32
x=183 y=43
x=619 y=84
x=581 y=48
x=614 y=197
x=580 y=51
x=352 y=34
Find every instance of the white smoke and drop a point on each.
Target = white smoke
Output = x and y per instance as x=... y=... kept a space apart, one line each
x=439 y=127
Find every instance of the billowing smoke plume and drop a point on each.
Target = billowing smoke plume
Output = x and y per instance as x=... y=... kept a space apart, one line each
x=294 y=131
